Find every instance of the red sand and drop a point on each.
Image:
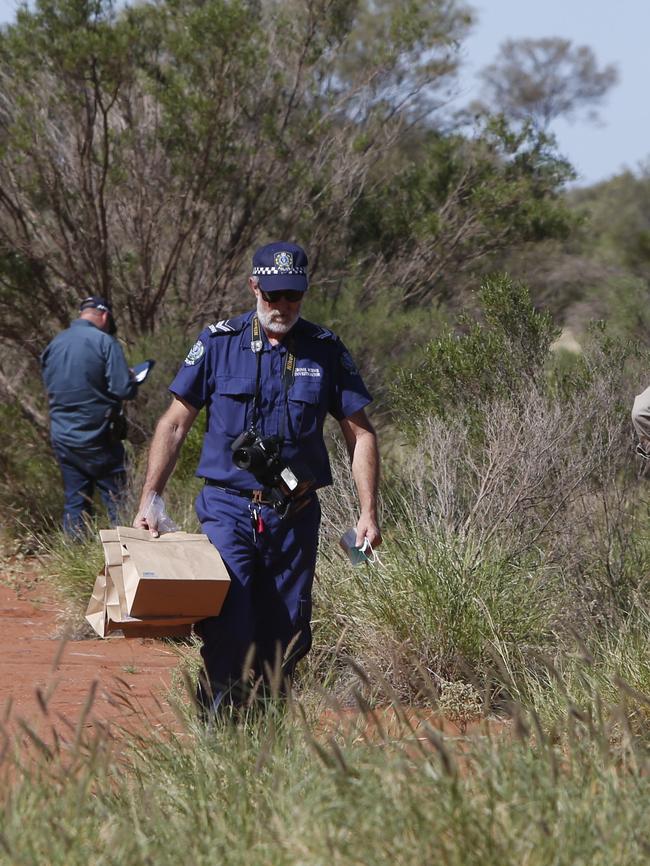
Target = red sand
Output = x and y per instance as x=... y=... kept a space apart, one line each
x=46 y=681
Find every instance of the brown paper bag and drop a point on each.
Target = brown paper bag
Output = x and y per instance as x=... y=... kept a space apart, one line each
x=145 y=590
x=96 y=611
x=113 y=558
x=106 y=615
x=179 y=574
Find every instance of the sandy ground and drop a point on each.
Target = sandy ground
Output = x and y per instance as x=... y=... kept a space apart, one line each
x=59 y=689
x=49 y=682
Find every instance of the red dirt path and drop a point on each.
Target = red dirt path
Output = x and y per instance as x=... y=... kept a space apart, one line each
x=44 y=679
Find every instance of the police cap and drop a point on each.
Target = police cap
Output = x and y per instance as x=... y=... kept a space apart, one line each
x=96 y=302
x=281 y=265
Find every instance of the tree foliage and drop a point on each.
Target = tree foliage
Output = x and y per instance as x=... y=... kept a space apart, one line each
x=426 y=228
x=619 y=220
x=147 y=150
x=543 y=79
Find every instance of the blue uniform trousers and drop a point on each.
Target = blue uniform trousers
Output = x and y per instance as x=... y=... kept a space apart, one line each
x=268 y=605
x=83 y=469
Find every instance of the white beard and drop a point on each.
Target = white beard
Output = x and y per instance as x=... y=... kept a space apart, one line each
x=274 y=322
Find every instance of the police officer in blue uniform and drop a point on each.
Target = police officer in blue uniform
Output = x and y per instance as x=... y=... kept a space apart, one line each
x=267 y=380
x=87 y=378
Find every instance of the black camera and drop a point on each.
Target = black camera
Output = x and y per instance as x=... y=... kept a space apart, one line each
x=259 y=456
x=262 y=457
x=117 y=428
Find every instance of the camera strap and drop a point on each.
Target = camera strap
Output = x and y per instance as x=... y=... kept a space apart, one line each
x=288 y=377
x=288 y=374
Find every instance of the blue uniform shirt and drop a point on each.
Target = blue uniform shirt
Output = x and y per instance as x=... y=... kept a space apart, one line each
x=220 y=374
x=85 y=374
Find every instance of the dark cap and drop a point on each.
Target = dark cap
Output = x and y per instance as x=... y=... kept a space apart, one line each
x=94 y=302
x=281 y=265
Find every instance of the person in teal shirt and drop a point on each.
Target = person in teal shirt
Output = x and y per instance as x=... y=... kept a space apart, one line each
x=87 y=378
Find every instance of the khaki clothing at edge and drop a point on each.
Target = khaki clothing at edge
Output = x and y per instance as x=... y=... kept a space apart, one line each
x=641 y=417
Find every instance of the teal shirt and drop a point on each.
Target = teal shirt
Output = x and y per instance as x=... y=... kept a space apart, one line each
x=86 y=376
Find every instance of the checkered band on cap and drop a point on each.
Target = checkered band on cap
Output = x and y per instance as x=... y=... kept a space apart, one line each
x=281 y=265
x=259 y=271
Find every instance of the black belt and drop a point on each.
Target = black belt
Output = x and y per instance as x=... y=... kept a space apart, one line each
x=263 y=496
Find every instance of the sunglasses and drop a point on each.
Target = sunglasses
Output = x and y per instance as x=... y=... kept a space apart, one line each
x=291 y=295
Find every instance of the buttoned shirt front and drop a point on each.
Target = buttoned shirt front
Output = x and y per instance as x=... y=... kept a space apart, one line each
x=220 y=373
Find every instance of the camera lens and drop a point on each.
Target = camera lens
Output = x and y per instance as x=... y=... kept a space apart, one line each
x=242 y=458
x=258 y=455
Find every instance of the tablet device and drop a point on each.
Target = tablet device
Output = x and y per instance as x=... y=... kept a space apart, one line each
x=142 y=370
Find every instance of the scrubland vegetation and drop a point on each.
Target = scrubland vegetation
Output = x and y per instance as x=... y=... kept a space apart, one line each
x=279 y=791
x=512 y=588
x=145 y=153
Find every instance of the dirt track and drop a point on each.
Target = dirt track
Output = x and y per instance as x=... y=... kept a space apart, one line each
x=46 y=680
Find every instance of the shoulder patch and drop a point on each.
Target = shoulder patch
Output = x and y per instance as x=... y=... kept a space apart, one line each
x=348 y=364
x=195 y=354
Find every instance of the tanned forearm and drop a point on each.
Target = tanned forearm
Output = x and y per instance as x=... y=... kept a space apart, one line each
x=361 y=441
x=365 y=471
x=165 y=447
x=163 y=454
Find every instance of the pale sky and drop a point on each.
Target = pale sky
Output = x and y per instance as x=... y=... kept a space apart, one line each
x=618 y=32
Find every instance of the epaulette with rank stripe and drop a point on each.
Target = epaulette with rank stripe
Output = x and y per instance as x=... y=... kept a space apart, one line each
x=227 y=326
x=325 y=334
x=318 y=332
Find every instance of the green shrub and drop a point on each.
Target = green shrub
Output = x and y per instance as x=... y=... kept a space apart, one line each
x=70 y=568
x=491 y=359
x=31 y=491
x=437 y=600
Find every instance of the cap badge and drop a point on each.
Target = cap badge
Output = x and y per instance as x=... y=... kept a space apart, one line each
x=283 y=261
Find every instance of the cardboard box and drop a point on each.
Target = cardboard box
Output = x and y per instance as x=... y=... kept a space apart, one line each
x=156 y=586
